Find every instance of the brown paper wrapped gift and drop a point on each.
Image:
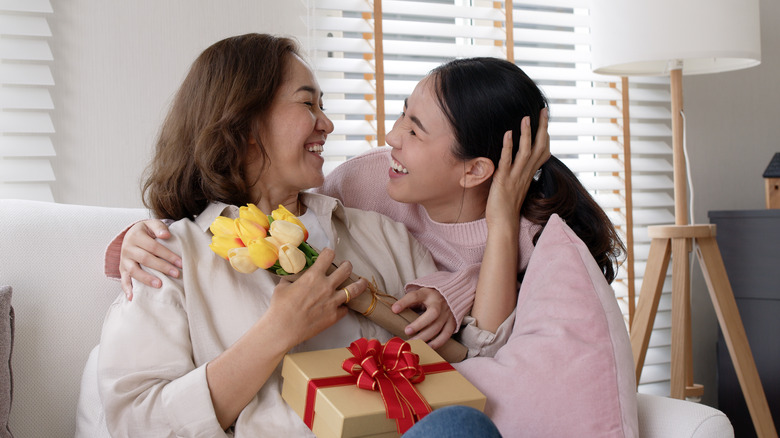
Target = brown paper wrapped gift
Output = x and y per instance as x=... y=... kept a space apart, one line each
x=345 y=410
x=376 y=306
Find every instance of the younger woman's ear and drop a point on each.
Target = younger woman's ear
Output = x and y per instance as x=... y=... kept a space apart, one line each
x=477 y=171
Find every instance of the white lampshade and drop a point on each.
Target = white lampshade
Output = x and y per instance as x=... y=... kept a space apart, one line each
x=647 y=37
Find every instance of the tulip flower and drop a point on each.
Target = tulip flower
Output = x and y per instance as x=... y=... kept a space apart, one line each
x=223 y=226
x=291 y=259
x=283 y=214
x=241 y=261
x=255 y=240
x=274 y=241
x=221 y=244
x=287 y=232
x=251 y=212
x=249 y=230
x=263 y=253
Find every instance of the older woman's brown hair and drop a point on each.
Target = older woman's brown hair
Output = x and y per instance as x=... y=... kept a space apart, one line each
x=202 y=150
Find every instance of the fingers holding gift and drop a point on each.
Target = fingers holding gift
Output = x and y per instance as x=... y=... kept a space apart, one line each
x=435 y=324
x=349 y=292
x=444 y=335
x=306 y=307
x=323 y=289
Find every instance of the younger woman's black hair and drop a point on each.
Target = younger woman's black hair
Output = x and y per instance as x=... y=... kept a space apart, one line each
x=483 y=98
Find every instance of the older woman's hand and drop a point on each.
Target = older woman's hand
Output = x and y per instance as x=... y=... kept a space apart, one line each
x=312 y=303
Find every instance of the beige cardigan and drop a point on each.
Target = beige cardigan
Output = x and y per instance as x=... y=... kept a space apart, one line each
x=154 y=349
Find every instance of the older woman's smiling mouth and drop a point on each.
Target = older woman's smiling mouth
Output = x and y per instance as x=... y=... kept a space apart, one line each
x=315 y=148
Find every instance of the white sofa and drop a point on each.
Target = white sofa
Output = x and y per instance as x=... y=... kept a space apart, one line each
x=52 y=256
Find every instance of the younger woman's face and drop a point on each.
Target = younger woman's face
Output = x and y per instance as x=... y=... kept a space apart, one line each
x=423 y=169
x=294 y=133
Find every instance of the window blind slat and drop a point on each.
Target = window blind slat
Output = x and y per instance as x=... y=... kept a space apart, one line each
x=31 y=190
x=39 y=6
x=592 y=165
x=650 y=147
x=25 y=50
x=659 y=165
x=565 y=147
x=26 y=146
x=24 y=25
x=442 y=10
x=26 y=74
x=25 y=170
x=25 y=122
x=541 y=18
x=25 y=98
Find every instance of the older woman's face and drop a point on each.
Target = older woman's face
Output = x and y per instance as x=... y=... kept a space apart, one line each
x=294 y=132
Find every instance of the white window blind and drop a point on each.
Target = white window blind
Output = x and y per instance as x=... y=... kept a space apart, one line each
x=551 y=43
x=25 y=102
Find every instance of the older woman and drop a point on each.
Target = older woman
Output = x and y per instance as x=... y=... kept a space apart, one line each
x=201 y=355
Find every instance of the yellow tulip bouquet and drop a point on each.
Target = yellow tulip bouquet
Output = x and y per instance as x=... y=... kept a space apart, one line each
x=275 y=242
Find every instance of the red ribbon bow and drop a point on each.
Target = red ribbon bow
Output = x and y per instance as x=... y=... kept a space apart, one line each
x=393 y=370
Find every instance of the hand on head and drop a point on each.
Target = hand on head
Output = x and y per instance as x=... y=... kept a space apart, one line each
x=513 y=177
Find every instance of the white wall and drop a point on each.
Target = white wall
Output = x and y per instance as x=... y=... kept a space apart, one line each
x=117 y=65
x=733 y=122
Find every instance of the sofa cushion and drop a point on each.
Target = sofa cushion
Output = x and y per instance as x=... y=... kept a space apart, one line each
x=668 y=417
x=567 y=367
x=52 y=255
x=6 y=348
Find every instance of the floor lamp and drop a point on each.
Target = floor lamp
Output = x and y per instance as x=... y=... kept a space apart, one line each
x=673 y=37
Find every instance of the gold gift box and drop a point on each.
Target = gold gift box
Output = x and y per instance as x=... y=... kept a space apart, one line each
x=348 y=411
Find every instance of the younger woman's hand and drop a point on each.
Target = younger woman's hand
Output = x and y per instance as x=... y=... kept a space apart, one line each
x=436 y=324
x=513 y=177
x=140 y=247
x=312 y=303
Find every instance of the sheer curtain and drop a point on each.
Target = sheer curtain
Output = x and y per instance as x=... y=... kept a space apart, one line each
x=550 y=42
x=25 y=101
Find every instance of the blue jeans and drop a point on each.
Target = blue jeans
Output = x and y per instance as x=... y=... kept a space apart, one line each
x=454 y=422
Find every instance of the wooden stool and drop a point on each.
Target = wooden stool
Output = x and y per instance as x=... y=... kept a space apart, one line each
x=676 y=242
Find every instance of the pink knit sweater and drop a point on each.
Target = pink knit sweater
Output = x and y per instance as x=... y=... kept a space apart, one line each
x=457 y=248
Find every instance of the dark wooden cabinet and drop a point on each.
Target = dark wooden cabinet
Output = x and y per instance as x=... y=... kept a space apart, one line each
x=749 y=242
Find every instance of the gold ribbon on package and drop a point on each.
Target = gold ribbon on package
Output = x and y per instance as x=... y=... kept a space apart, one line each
x=392 y=369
